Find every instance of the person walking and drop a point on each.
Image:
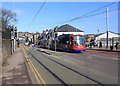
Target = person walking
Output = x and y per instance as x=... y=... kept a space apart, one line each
x=100 y=44
x=116 y=45
x=18 y=42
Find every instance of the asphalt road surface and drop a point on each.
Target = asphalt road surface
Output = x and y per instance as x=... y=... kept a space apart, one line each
x=91 y=67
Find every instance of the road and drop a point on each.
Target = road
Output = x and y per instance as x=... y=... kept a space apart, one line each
x=91 y=67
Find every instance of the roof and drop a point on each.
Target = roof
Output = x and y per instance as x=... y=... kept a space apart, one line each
x=68 y=28
x=105 y=32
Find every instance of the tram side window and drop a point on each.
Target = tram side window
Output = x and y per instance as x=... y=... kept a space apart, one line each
x=65 y=40
x=60 y=40
x=71 y=40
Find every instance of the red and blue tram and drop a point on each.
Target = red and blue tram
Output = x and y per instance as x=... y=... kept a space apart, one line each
x=69 y=42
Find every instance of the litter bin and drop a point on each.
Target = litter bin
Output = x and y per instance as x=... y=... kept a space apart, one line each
x=111 y=47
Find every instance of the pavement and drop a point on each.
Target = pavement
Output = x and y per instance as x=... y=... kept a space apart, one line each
x=104 y=49
x=14 y=71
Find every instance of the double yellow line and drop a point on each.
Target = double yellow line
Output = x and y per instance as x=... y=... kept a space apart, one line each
x=37 y=75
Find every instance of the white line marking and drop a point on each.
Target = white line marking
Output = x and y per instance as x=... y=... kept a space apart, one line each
x=69 y=61
x=115 y=58
x=89 y=57
x=107 y=57
x=56 y=57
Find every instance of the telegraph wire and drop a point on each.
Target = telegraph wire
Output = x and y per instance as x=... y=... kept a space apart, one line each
x=97 y=14
x=36 y=14
x=90 y=12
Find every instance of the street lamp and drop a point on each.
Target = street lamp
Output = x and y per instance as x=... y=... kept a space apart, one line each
x=98 y=33
x=98 y=40
x=55 y=35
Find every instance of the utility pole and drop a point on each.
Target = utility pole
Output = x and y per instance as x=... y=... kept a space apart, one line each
x=107 y=27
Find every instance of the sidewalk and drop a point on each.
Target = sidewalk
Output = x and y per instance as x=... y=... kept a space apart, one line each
x=14 y=71
x=104 y=49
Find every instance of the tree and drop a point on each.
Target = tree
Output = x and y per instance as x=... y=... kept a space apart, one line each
x=7 y=18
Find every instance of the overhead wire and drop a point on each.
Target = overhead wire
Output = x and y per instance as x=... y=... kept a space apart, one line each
x=36 y=14
x=98 y=13
x=76 y=18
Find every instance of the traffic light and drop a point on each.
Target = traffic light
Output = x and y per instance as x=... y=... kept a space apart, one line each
x=15 y=32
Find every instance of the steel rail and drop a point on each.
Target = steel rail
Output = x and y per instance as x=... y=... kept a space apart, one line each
x=73 y=70
x=60 y=80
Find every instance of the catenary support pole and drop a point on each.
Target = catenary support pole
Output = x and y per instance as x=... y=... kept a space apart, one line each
x=107 y=27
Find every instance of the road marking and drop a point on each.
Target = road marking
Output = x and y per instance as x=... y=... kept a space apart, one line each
x=31 y=66
x=107 y=57
x=115 y=58
x=56 y=57
x=69 y=61
x=89 y=57
x=37 y=75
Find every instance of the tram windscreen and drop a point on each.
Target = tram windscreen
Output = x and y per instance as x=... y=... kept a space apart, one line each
x=79 y=40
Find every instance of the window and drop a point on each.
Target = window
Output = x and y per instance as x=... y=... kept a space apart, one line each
x=79 y=40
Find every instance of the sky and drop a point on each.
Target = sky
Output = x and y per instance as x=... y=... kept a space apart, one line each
x=57 y=13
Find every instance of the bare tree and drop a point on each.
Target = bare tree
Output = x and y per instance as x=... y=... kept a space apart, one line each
x=7 y=18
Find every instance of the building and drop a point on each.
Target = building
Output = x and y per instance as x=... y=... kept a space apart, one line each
x=68 y=29
x=47 y=35
x=36 y=37
x=112 y=38
x=89 y=37
x=25 y=37
x=64 y=29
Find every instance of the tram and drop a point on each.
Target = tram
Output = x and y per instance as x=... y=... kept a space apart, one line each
x=68 y=42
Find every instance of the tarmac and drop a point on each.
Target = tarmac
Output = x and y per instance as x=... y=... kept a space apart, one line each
x=14 y=71
x=104 y=49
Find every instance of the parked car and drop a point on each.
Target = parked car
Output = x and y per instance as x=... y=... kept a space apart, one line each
x=27 y=43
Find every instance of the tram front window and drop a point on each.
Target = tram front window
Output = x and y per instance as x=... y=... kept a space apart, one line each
x=79 y=40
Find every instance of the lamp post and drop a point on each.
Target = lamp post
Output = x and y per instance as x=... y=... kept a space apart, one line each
x=98 y=33
x=55 y=36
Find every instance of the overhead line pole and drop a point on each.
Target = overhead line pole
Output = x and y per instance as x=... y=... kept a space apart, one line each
x=107 y=27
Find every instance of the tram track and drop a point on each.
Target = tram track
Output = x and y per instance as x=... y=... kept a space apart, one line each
x=55 y=76
x=72 y=69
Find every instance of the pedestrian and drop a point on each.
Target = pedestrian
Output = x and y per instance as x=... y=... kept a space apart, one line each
x=100 y=44
x=18 y=42
x=91 y=43
x=116 y=45
x=88 y=45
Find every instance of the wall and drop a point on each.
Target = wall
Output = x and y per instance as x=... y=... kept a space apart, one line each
x=6 y=45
